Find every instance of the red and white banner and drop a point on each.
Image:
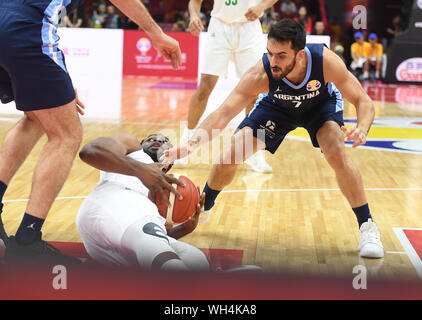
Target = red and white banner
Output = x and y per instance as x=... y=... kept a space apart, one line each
x=141 y=59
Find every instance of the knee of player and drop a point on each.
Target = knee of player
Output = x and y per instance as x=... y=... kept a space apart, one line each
x=168 y=260
x=335 y=154
x=74 y=136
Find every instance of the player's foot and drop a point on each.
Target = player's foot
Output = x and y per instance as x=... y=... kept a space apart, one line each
x=258 y=164
x=204 y=217
x=370 y=245
x=38 y=251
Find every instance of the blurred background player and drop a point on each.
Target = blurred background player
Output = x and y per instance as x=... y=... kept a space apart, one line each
x=118 y=223
x=234 y=29
x=374 y=53
x=34 y=75
x=358 y=51
x=301 y=83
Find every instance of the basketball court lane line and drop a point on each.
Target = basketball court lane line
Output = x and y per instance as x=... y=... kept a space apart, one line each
x=410 y=250
x=256 y=190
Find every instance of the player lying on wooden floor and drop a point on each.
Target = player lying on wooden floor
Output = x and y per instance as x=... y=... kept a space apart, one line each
x=120 y=225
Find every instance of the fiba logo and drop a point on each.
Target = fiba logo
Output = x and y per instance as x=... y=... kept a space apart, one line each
x=313 y=85
x=143 y=45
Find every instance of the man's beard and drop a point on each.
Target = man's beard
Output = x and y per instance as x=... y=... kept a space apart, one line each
x=156 y=155
x=284 y=74
x=152 y=154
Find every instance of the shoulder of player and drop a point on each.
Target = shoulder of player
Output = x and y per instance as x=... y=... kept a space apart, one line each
x=255 y=78
x=332 y=66
x=128 y=141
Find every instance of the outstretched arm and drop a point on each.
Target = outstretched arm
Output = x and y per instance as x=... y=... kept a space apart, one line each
x=166 y=45
x=252 y=83
x=335 y=71
x=109 y=154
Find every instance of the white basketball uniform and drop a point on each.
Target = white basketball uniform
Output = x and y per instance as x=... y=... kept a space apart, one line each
x=121 y=226
x=230 y=33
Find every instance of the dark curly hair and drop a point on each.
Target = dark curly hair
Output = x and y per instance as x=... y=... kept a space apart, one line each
x=288 y=30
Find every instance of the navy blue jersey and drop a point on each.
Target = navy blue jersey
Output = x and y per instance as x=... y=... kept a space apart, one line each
x=52 y=5
x=312 y=92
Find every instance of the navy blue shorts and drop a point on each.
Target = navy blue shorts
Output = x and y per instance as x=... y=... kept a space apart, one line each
x=32 y=68
x=270 y=124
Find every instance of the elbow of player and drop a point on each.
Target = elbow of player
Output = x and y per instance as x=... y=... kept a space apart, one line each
x=84 y=154
x=87 y=153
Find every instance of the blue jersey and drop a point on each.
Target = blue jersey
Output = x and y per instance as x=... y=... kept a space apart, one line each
x=32 y=67
x=312 y=92
x=46 y=6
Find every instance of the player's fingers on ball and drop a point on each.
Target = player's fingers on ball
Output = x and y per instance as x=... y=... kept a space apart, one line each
x=171 y=179
x=163 y=196
x=173 y=190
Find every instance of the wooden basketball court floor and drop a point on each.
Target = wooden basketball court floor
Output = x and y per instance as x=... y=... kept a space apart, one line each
x=294 y=219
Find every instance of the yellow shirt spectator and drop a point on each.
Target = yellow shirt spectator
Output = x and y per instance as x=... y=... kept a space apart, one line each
x=359 y=50
x=374 y=50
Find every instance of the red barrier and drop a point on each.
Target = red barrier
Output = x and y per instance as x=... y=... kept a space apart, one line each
x=141 y=59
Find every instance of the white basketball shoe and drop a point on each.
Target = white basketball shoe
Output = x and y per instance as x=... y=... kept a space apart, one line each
x=370 y=245
x=204 y=216
x=258 y=164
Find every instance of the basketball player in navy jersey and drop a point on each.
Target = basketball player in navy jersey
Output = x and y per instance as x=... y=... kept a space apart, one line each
x=301 y=84
x=33 y=74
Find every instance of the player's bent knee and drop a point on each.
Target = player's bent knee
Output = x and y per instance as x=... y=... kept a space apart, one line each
x=167 y=260
x=192 y=257
x=336 y=155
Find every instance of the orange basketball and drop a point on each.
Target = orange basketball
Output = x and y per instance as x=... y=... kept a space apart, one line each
x=179 y=210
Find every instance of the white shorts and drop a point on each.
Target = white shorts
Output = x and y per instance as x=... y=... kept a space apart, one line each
x=121 y=227
x=245 y=41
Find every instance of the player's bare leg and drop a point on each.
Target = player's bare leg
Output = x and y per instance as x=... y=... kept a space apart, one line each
x=197 y=106
x=199 y=100
x=17 y=144
x=64 y=134
x=257 y=161
x=243 y=145
x=331 y=141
